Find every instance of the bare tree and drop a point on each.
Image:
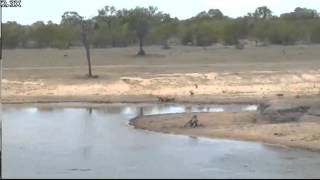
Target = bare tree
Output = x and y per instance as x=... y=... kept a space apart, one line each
x=86 y=30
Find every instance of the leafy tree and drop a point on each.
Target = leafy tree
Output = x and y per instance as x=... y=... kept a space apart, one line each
x=234 y=30
x=306 y=13
x=215 y=13
x=105 y=27
x=111 y=28
x=40 y=34
x=186 y=34
x=282 y=33
x=205 y=34
x=12 y=34
x=139 y=22
x=315 y=34
x=263 y=13
x=260 y=31
x=167 y=29
x=301 y=13
x=118 y=28
x=211 y=14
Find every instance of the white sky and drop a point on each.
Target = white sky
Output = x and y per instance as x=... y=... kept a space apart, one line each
x=45 y=10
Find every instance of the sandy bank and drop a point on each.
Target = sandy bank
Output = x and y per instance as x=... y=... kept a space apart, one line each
x=242 y=126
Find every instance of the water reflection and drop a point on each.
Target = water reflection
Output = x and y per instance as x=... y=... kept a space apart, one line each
x=31 y=110
x=188 y=109
x=48 y=109
x=86 y=136
x=148 y=109
x=194 y=140
x=90 y=110
x=141 y=112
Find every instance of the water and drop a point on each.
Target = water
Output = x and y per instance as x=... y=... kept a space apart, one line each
x=62 y=142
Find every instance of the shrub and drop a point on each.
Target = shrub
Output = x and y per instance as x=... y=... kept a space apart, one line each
x=315 y=34
x=282 y=33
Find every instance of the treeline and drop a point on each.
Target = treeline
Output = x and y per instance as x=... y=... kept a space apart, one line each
x=120 y=28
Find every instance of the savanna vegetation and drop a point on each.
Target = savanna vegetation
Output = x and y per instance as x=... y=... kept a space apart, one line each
x=149 y=26
x=124 y=27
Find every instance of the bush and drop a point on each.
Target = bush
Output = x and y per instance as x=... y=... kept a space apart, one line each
x=115 y=29
x=235 y=30
x=239 y=45
x=205 y=34
x=282 y=33
x=59 y=44
x=315 y=34
x=13 y=34
x=187 y=36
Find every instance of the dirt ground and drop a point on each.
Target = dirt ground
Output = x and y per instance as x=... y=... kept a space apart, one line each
x=282 y=76
x=188 y=73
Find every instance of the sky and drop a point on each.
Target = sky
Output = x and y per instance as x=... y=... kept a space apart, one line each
x=45 y=10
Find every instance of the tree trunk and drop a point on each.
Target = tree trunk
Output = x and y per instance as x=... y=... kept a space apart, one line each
x=141 y=51
x=0 y=63
x=141 y=112
x=87 y=47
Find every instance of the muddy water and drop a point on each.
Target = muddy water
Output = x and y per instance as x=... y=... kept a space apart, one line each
x=52 y=142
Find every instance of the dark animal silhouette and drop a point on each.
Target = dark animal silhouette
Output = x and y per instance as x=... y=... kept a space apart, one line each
x=193 y=123
x=166 y=99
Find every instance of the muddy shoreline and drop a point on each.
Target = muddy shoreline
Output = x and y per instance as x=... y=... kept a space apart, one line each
x=285 y=122
x=107 y=99
x=270 y=138
x=133 y=123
